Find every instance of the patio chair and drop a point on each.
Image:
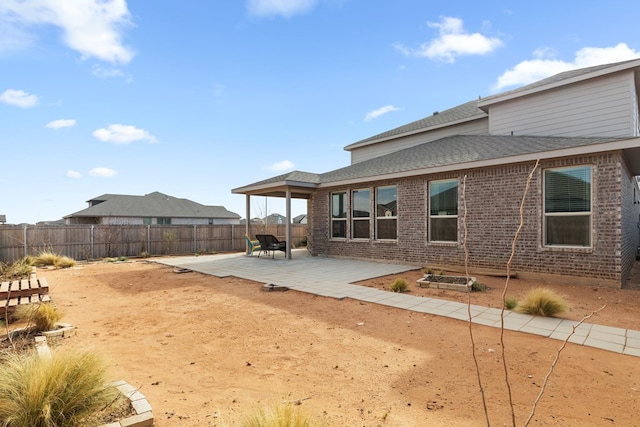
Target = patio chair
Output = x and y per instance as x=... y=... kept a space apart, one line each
x=254 y=245
x=269 y=243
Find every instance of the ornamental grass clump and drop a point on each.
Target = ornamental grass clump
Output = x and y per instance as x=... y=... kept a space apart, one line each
x=399 y=285
x=281 y=415
x=61 y=390
x=542 y=302
x=42 y=316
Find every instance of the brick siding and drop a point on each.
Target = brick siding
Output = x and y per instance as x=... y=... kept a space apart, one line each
x=493 y=196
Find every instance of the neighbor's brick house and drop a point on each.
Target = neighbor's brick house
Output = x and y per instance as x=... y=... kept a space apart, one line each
x=410 y=192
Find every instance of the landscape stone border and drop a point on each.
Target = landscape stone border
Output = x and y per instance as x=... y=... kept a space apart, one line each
x=143 y=416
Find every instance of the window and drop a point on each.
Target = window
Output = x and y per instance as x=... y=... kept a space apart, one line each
x=443 y=211
x=386 y=213
x=163 y=221
x=567 y=206
x=360 y=214
x=339 y=215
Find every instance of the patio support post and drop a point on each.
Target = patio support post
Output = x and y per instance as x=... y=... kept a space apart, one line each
x=247 y=216
x=288 y=214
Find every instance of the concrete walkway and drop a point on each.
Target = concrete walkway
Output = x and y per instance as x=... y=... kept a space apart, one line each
x=333 y=277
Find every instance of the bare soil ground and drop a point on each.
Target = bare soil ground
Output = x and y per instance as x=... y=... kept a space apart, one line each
x=206 y=351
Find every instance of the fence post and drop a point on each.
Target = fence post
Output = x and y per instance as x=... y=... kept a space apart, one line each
x=195 y=239
x=24 y=237
x=149 y=239
x=91 y=239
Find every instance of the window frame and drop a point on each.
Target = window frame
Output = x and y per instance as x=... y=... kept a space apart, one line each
x=568 y=214
x=355 y=219
x=339 y=219
x=386 y=217
x=437 y=217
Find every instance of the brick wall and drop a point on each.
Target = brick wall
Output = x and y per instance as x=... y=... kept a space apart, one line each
x=493 y=197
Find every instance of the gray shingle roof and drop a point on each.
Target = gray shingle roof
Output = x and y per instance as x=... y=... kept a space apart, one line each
x=454 y=150
x=152 y=205
x=467 y=111
x=445 y=152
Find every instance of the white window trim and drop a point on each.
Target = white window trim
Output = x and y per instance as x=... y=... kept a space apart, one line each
x=353 y=218
x=558 y=214
x=375 y=205
x=429 y=216
x=345 y=219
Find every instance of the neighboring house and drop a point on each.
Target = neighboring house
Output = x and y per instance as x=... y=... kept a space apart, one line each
x=151 y=209
x=447 y=189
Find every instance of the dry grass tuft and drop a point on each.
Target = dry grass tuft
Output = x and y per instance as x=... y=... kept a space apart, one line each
x=62 y=390
x=542 y=302
x=43 y=316
x=282 y=415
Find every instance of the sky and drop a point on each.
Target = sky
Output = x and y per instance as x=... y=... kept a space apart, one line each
x=194 y=98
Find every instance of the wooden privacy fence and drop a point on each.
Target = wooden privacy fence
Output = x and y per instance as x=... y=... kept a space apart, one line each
x=84 y=242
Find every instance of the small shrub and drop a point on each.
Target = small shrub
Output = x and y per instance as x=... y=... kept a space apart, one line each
x=442 y=273
x=282 y=415
x=399 y=285
x=542 y=302
x=62 y=390
x=510 y=303
x=43 y=316
x=477 y=286
x=428 y=270
x=144 y=254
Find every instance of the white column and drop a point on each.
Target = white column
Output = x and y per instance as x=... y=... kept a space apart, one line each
x=288 y=214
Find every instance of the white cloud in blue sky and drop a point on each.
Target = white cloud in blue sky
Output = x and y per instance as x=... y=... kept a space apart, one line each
x=61 y=123
x=102 y=172
x=91 y=27
x=123 y=134
x=545 y=64
x=286 y=8
x=73 y=174
x=379 y=112
x=282 y=166
x=18 y=98
x=452 y=42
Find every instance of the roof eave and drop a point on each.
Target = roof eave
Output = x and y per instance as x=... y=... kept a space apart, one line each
x=625 y=144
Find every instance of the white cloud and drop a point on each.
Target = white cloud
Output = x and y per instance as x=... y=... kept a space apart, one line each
x=73 y=174
x=545 y=64
x=453 y=41
x=379 y=112
x=106 y=73
x=62 y=123
x=282 y=166
x=19 y=98
x=123 y=134
x=102 y=172
x=284 y=8
x=91 y=27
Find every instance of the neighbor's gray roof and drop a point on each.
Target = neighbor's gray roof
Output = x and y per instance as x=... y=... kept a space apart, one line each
x=467 y=111
x=152 y=205
x=446 y=152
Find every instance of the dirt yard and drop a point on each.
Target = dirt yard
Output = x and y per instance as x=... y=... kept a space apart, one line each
x=206 y=351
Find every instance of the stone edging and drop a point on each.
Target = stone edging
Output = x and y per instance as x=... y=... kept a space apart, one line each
x=143 y=415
